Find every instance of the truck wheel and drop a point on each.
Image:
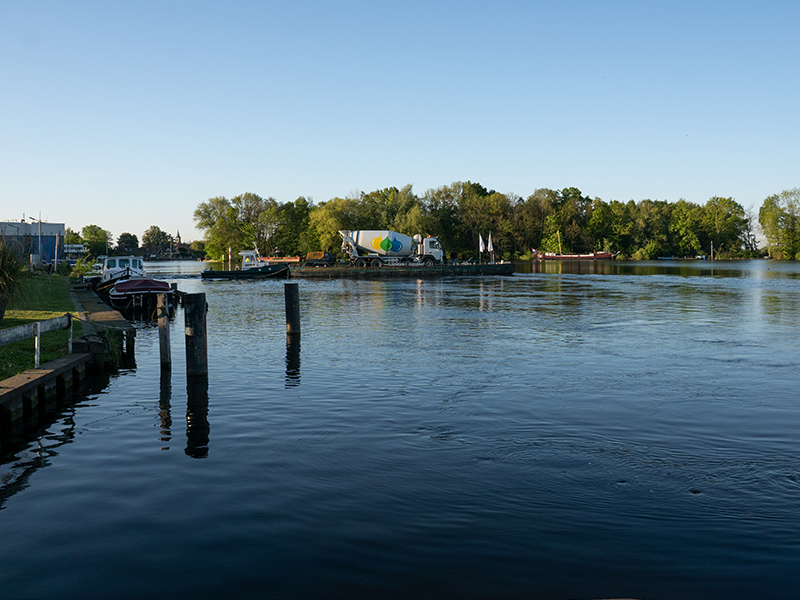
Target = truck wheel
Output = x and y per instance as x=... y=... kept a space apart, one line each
x=360 y=262
x=376 y=262
x=427 y=261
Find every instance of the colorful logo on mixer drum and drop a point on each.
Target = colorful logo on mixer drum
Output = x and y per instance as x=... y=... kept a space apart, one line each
x=386 y=244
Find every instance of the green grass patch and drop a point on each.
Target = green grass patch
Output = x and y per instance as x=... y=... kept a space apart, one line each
x=41 y=297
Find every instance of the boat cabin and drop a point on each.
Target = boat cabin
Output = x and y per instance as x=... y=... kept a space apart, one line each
x=250 y=259
x=115 y=267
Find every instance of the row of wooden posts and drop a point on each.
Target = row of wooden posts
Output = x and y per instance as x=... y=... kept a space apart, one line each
x=194 y=310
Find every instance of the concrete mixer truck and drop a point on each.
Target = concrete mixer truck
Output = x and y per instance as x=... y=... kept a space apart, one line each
x=376 y=248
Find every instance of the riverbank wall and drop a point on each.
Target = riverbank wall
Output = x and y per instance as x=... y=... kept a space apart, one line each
x=28 y=400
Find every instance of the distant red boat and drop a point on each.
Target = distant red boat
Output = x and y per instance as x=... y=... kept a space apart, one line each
x=538 y=255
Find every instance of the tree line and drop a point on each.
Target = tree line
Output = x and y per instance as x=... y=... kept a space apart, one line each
x=99 y=241
x=564 y=220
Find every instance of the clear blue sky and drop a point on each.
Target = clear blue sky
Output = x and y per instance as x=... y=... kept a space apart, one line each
x=129 y=114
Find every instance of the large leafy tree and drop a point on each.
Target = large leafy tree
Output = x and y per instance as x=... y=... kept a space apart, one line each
x=292 y=222
x=329 y=217
x=127 y=242
x=724 y=223
x=684 y=226
x=97 y=239
x=529 y=219
x=72 y=237
x=441 y=206
x=572 y=213
x=257 y=218
x=154 y=236
x=238 y=223
x=779 y=219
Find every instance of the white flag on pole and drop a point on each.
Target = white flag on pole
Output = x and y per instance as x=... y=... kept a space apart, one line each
x=489 y=246
x=481 y=247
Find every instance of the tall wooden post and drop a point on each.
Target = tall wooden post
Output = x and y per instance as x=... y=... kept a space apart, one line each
x=196 y=344
x=292 y=297
x=37 y=344
x=163 y=332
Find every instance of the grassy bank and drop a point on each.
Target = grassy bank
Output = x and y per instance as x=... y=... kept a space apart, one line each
x=41 y=297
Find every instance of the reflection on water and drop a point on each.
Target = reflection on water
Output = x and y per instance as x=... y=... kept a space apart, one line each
x=292 y=360
x=683 y=268
x=552 y=435
x=197 y=427
x=164 y=414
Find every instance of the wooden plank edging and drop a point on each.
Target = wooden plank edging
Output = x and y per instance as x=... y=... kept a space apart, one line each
x=32 y=378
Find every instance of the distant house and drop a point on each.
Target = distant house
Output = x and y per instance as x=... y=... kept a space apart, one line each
x=41 y=243
x=73 y=252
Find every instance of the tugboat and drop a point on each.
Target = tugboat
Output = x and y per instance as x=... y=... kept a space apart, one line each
x=253 y=266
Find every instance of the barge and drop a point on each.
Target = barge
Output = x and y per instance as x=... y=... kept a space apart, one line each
x=407 y=271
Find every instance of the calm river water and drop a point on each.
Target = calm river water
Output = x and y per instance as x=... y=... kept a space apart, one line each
x=617 y=430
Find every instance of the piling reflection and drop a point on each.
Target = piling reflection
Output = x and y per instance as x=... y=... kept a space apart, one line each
x=127 y=358
x=164 y=412
x=197 y=427
x=292 y=361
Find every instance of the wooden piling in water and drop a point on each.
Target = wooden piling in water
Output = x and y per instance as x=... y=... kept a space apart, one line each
x=196 y=343
x=163 y=331
x=292 y=298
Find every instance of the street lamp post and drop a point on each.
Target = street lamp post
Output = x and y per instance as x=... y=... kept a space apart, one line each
x=40 y=235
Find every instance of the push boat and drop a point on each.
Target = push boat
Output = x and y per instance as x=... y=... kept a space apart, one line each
x=253 y=267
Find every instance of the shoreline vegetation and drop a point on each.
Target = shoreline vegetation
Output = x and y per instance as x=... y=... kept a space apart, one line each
x=562 y=221
x=40 y=297
x=565 y=221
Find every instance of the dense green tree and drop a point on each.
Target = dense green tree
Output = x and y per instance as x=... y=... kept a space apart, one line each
x=551 y=235
x=72 y=237
x=529 y=219
x=771 y=218
x=441 y=205
x=779 y=219
x=723 y=221
x=479 y=212
x=97 y=240
x=127 y=242
x=258 y=219
x=238 y=223
x=294 y=234
x=198 y=249
x=650 y=223
x=684 y=226
x=208 y=213
x=328 y=218
x=568 y=223
x=154 y=236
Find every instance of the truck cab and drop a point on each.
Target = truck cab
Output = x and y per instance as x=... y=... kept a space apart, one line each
x=429 y=249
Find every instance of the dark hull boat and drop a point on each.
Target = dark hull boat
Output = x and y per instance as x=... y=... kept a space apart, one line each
x=278 y=271
x=140 y=295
